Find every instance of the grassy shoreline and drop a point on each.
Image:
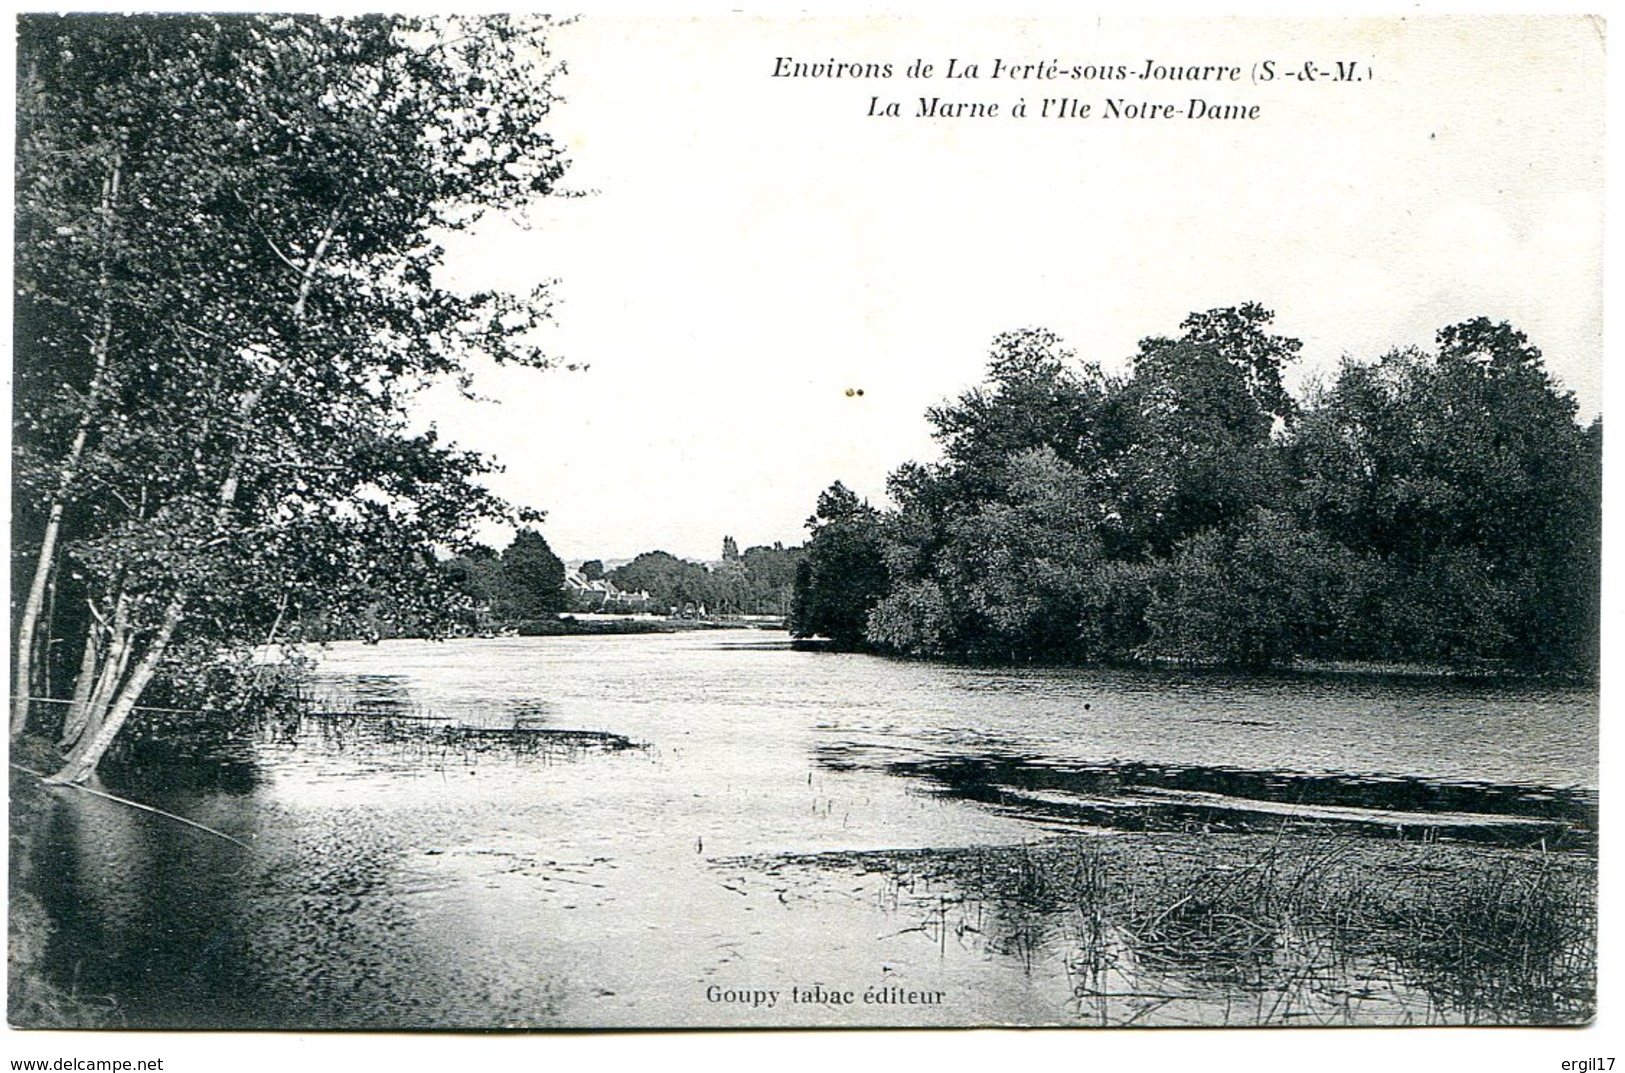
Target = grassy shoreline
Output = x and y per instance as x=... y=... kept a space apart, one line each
x=1296 y=667
x=1310 y=927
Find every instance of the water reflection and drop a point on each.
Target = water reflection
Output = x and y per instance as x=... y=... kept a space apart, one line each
x=143 y=911
x=325 y=918
x=1135 y=796
x=376 y=694
x=183 y=754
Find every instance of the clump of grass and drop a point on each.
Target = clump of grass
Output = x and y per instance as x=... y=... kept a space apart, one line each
x=1333 y=928
x=1488 y=938
x=436 y=741
x=1507 y=937
x=1237 y=920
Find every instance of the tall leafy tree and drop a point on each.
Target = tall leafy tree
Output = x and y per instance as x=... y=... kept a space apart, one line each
x=1463 y=477
x=1037 y=394
x=842 y=575
x=770 y=572
x=1052 y=472
x=474 y=576
x=228 y=288
x=1200 y=453
x=1240 y=336
x=670 y=582
x=530 y=579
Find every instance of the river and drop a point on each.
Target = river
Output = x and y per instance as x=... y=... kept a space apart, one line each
x=712 y=828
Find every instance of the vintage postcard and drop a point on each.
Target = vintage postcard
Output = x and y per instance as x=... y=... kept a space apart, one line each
x=746 y=522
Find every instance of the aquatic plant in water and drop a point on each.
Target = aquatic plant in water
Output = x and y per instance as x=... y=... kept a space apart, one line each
x=1288 y=929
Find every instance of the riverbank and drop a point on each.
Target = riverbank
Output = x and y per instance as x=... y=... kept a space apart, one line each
x=620 y=626
x=1480 y=671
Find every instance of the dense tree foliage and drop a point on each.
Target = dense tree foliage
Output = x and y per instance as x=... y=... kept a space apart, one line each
x=1471 y=497
x=530 y=579
x=770 y=574
x=672 y=583
x=843 y=574
x=475 y=575
x=227 y=288
x=755 y=582
x=1440 y=508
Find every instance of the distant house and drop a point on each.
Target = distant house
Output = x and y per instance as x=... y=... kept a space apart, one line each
x=602 y=595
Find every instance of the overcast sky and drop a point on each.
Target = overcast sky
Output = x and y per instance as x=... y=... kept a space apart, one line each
x=751 y=247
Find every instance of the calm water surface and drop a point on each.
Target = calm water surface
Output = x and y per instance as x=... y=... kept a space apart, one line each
x=421 y=866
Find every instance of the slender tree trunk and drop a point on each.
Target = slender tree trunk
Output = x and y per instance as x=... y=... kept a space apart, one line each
x=82 y=760
x=114 y=660
x=74 y=719
x=99 y=733
x=44 y=686
x=23 y=674
x=22 y=678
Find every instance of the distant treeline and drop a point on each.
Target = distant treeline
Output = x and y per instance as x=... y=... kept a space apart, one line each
x=527 y=583
x=1439 y=508
x=757 y=581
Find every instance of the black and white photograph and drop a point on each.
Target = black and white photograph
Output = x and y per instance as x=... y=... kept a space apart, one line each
x=591 y=523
